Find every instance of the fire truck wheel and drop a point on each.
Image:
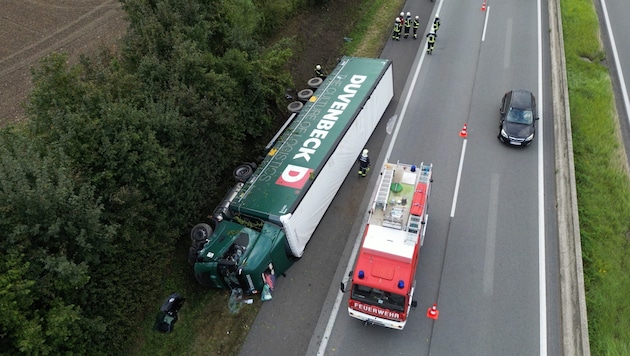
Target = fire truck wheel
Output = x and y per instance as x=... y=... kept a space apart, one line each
x=243 y=172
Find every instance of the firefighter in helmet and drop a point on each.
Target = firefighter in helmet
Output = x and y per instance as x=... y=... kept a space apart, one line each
x=397 y=28
x=364 y=163
x=318 y=72
x=416 y=25
x=408 y=24
x=436 y=24
x=431 y=42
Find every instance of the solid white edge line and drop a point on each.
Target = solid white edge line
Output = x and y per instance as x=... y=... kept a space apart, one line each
x=622 y=81
x=357 y=244
x=542 y=279
x=459 y=177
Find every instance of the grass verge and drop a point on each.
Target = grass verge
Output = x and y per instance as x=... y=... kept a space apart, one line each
x=205 y=325
x=603 y=184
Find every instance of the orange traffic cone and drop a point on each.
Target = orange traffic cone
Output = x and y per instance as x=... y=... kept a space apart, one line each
x=483 y=6
x=464 y=133
x=433 y=313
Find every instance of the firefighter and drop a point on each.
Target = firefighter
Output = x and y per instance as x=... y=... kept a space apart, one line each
x=318 y=72
x=436 y=24
x=430 y=42
x=407 y=24
x=364 y=163
x=397 y=28
x=416 y=25
x=401 y=17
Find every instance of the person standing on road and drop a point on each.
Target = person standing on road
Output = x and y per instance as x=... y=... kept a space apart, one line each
x=397 y=28
x=416 y=25
x=364 y=163
x=436 y=24
x=402 y=17
x=407 y=24
x=431 y=42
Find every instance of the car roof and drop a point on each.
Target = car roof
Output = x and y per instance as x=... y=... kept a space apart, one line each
x=522 y=99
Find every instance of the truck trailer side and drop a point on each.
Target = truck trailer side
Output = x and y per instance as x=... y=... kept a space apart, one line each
x=266 y=221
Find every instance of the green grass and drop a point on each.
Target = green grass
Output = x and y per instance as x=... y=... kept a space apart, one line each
x=602 y=182
x=371 y=33
x=205 y=325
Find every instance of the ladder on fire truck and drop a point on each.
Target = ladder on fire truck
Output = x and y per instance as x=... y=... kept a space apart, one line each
x=416 y=222
x=384 y=187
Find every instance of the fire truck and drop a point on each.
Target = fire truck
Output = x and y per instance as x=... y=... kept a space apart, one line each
x=383 y=280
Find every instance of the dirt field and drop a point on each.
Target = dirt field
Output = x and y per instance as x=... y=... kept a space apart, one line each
x=30 y=29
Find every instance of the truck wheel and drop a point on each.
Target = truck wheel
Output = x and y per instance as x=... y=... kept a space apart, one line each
x=314 y=83
x=200 y=232
x=305 y=94
x=295 y=106
x=243 y=172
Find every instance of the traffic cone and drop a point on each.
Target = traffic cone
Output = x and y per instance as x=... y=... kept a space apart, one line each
x=463 y=133
x=433 y=313
x=483 y=6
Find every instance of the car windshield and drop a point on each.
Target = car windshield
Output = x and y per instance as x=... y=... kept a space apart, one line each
x=377 y=297
x=519 y=116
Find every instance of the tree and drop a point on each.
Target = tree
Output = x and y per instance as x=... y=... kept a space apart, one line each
x=53 y=237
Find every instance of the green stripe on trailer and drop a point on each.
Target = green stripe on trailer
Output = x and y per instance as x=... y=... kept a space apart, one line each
x=293 y=163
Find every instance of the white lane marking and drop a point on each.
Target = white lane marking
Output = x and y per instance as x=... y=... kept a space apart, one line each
x=335 y=310
x=622 y=81
x=459 y=177
x=542 y=279
x=357 y=244
x=491 y=231
x=507 y=49
x=485 y=24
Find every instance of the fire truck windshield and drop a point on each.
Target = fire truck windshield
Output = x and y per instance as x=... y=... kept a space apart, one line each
x=379 y=298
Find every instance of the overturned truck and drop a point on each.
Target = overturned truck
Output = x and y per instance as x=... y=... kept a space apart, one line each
x=265 y=221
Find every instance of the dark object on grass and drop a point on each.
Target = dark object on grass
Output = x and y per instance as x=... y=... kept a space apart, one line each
x=167 y=316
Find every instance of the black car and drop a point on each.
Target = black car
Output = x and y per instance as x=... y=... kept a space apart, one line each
x=167 y=316
x=518 y=118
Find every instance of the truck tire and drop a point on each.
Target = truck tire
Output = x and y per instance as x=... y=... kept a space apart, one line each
x=243 y=172
x=314 y=83
x=295 y=106
x=200 y=232
x=305 y=94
